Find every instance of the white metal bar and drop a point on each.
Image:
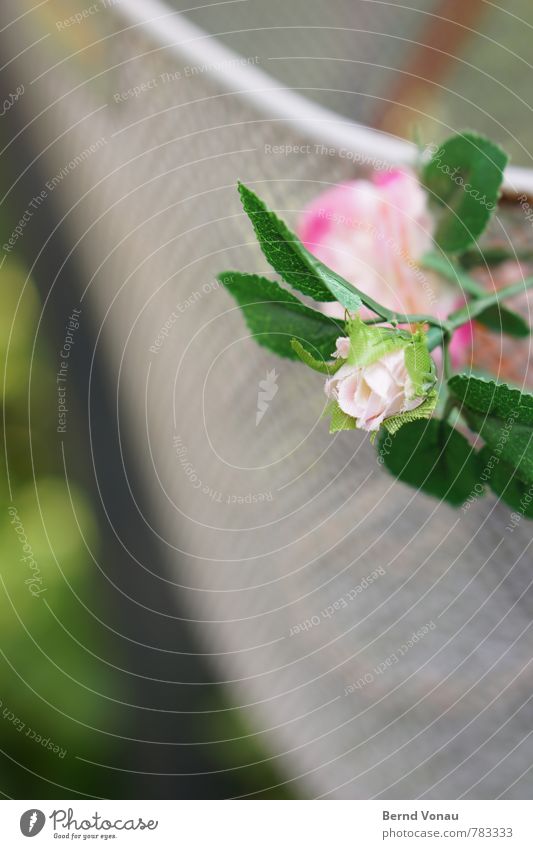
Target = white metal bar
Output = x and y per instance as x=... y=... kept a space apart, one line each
x=171 y=29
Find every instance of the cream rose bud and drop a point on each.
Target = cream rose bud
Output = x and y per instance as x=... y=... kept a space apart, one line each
x=374 y=392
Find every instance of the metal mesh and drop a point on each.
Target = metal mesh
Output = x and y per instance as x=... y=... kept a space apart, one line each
x=342 y=54
x=351 y=54
x=274 y=525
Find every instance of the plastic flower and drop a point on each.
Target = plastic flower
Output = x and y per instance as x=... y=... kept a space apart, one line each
x=388 y=378
x=375 y=392
x=373 y=233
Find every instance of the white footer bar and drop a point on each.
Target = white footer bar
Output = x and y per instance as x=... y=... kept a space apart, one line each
x=267 y=824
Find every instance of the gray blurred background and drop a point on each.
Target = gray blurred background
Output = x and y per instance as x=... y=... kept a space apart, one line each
x=224 y=598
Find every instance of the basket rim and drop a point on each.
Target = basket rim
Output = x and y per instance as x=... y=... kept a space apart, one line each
x=170 y=29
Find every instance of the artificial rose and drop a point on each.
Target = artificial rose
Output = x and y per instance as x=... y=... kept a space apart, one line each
x=373 y=233
x=372 y=393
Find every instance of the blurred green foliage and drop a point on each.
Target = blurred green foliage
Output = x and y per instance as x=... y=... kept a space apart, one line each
x=57 y=684
x=50 y=681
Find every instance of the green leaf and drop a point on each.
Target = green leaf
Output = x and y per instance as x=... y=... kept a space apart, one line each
x=432 y=457
x=369 y=342
x=505 y=483
x=321 y=366
x=340 y=420
x=291 y=260
x=492 y=256
x=464 y=177
x=487 y=396
x=342 y=291
x=512 y=442
x=275 y=317
x=498 y=317
x=502 y=416
x=423 y=411
x=503 y=320
x=447 y=268
x=419 y=364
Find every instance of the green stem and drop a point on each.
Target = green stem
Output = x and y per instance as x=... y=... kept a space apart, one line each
x=492 y=256
x=447 y=363
x=389 y=315
x=475 y=308
x=448 y=407
x=403 y=318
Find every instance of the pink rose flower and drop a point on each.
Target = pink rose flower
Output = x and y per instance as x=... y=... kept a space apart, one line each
x=373 y=233
x=372 y=393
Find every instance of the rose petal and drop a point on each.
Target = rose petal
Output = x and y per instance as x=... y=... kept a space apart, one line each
x=381 y=380
x=374 y=233
x=349 y=400
x=342 y=347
